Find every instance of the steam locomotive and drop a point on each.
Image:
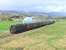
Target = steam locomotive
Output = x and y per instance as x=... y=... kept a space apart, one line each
x=18 y=28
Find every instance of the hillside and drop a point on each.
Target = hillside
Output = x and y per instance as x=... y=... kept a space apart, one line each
x=60 y=14
x=50 y=37
x=22 y=13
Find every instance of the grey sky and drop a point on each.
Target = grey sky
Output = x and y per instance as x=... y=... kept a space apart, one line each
x=34 y=5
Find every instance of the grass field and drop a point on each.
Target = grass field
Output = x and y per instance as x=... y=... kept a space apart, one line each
x=50 y=37
x=4 y=25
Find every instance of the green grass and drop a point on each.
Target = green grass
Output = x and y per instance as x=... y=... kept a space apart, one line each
x=50 y=37
x=4 y=28
x=4 y=25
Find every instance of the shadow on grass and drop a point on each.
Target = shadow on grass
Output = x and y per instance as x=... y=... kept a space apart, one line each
x=11 y=48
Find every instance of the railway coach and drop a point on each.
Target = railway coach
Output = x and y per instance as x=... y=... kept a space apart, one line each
x=18 y=28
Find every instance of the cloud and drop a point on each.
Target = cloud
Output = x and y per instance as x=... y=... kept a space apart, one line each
x=34 y=5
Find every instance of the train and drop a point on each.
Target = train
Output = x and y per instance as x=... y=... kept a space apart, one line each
x=19 y=28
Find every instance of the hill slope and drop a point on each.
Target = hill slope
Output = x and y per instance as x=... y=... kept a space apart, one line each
x=50 y=37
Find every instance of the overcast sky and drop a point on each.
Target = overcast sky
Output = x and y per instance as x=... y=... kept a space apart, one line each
x=34 y=5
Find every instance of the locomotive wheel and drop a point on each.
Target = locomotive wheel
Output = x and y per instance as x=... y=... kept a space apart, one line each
x=29 y=28
x=13 y=29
